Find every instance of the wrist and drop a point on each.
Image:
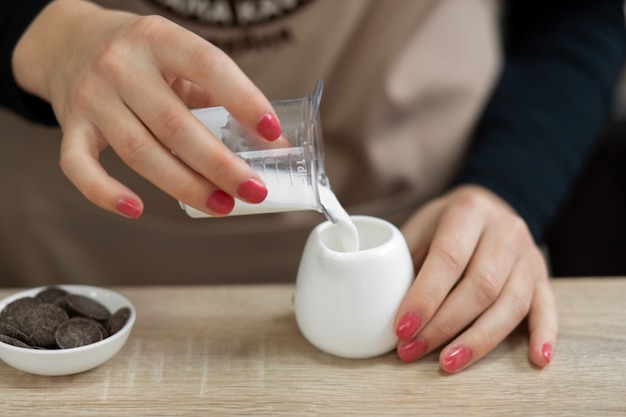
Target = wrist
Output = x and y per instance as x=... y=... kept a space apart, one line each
x=38 y=50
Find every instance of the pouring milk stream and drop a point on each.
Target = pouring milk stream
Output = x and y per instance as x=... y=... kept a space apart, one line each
x=348 y=233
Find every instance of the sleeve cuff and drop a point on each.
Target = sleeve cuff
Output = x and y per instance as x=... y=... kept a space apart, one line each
x=15 y=17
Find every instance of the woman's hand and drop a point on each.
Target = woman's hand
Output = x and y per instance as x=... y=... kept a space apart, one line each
x=480 y=274
x=126 y=81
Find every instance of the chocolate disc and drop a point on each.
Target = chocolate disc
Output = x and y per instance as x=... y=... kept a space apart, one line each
x=8 y=330
x=78 y=331
x=87 y=307
x=13 y=341
x=42 y=322
x=15 y=312
x=103 y=330
x=118 y=320
x=53 y=295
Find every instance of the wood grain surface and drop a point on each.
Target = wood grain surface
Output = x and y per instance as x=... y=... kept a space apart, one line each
x=238 y=351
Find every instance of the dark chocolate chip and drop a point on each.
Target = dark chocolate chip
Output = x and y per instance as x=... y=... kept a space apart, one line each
x=42 y=322
x=8 y=330
x=53 y=295
x=105 y=332
x=78 y=331
x=13 y=341
x=118 y=320
x=15 y=312
x=87 y=307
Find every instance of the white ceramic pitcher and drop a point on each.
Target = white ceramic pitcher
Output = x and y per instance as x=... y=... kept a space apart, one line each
x=346 y=302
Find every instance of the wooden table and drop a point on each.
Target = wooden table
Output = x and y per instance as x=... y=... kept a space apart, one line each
x=238 y=351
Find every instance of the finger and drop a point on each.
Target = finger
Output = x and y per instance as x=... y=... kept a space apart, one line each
x=172 y=123
x=195 y=97
x=136 y=146
x=419 y=230
x=192 y=95
x=542 y=324
x=79 y=162
x=494 y=325
x=458 y=232
x=482 y=283
x=193 y=58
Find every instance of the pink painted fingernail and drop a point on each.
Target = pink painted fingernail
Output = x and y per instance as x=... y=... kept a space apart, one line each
x=546 y=350
x=412 y=350
x=129 y=207
x=252 y=191
x=408 y=326
x=269 y=127
x=457 y=359
x=220 y=202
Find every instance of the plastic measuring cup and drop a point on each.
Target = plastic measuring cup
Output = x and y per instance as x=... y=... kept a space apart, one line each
x=291 y=167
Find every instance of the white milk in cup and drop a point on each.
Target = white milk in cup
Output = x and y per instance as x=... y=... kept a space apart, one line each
x=292 y=167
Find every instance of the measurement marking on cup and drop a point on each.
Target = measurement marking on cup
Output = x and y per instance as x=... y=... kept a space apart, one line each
x=264 y=169
x=289 y=160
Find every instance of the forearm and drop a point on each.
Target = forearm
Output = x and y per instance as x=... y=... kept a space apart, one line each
x=547 y=110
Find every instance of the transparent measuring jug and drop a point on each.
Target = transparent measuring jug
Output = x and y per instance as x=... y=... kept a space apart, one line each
x=292 y=167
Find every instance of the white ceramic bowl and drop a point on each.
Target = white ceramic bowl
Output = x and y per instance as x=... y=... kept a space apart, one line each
x=74 y=360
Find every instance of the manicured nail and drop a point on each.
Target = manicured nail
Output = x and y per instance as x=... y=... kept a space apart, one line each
x=269 y=127
x=547 y=352
x=252 y=191
x=129 y=207
x=457 y=359
x=408 y=326
x=220 y=202
x=412 y=350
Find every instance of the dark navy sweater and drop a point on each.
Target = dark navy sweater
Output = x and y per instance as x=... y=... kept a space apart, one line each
x=563 y=61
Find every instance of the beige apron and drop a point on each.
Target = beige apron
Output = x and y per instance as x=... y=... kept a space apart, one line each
x=405 y=81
